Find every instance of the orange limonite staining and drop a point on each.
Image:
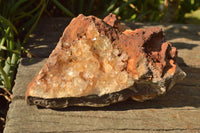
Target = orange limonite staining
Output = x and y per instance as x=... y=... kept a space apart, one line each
x=99 y=62
x=89 y=66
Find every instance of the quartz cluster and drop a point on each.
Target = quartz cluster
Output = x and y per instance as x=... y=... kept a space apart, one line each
x=99 y=62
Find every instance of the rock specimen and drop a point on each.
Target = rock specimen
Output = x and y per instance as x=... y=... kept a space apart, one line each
x=99 y=62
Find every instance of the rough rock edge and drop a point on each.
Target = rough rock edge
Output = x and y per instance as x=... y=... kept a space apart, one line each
x=99 y=101
x=141 y=91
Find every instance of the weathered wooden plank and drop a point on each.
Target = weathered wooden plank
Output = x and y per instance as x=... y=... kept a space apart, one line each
x=176 y=111
x=83 y=119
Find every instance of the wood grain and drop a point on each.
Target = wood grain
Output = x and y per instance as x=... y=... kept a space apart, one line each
x=177 y=111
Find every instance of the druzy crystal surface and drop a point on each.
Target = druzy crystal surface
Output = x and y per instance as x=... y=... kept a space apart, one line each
x=99 y=62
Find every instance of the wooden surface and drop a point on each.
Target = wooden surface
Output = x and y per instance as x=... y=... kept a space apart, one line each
x=177 y=111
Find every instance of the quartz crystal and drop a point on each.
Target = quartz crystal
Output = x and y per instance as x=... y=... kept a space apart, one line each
x=98 y=62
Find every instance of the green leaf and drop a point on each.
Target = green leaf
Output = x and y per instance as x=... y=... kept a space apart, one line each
x=90 y=7
x=111 y=6
x=72 y=6
x=133 y=17
x=6 y=68
x=65 y=10
x=14 y=63
x=16 y=5
x=6 y=49
x=119 y=9
x=6 y=82
x=7 y=22
x=5 y=37
x=35 y=24
x=25 y=14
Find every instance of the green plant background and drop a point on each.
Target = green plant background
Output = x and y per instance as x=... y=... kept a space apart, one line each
x=18 y=19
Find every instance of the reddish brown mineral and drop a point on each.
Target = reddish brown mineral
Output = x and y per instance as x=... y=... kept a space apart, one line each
x=99 y=62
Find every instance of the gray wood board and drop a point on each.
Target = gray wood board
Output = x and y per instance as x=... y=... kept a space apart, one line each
x=177 y=111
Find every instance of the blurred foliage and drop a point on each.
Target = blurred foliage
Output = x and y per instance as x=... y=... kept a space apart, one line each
x=187 y=6
x=18 y=19
x=193 y=17
x=128 y=10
